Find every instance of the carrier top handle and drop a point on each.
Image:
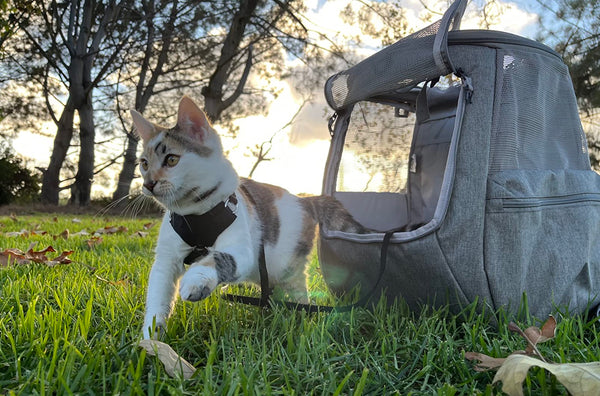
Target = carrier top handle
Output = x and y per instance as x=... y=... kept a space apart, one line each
x=399 y=67
x=450 y=21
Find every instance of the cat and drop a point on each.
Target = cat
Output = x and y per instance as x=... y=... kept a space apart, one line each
x=185 y=170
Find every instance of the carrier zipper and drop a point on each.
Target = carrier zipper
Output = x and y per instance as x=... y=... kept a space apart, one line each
x=528 y=203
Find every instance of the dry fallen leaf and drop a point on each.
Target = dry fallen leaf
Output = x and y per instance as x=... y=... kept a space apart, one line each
x=580 y=379
x=141 y=234
x=533 y=335
x=147 y=226
x=111 y=230
x=25 y=233
x=61 y=259
x=13 y=234
x=38 y=256
x=174 y=364
x=81 y=233
x=94 y=241
x=16 y=256
x=485 y=362
x=65 y=234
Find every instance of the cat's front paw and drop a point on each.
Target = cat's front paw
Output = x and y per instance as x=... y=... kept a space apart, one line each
x=153 y=329
x=197 y=283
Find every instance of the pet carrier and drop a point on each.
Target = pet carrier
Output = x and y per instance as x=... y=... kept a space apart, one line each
x=491 y=198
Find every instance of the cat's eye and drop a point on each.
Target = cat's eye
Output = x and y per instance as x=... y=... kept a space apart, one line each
x=171 y=160
x=144 y=164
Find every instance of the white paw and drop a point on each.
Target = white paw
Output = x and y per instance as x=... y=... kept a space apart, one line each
x=153 y=328
x=197 y=283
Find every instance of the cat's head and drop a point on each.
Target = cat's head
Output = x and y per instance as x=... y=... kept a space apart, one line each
x=184 y=167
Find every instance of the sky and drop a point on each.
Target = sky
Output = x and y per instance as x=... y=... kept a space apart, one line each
x=299 y=152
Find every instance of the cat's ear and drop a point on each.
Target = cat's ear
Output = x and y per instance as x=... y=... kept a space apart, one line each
x=192 y=120
x=144 y=128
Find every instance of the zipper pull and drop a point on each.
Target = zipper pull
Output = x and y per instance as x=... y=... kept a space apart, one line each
x=330 y=124
x=467 y=83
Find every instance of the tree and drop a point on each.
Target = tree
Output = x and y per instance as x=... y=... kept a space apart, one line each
x=573 y=29
x=158 y=31
x=75 y=42
x=257 y=35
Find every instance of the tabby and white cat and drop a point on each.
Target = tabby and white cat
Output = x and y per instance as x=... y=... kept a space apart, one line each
x=185 y=170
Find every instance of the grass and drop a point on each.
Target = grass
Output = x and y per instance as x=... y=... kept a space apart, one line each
x=73 y=329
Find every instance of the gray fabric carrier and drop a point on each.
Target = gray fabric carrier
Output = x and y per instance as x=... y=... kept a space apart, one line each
x=500 y=200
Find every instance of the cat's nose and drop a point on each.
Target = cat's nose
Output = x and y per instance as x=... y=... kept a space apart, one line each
x=150 y=185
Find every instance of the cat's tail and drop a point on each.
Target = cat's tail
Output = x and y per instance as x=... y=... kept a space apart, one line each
x=330 y=213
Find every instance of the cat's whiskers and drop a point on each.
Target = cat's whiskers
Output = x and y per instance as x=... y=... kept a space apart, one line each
x=112 y=205
x=136 y=205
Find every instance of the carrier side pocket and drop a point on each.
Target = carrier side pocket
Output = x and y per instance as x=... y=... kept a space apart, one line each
x=541 y=235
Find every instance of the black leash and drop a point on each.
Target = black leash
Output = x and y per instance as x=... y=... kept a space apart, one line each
x=264 y=300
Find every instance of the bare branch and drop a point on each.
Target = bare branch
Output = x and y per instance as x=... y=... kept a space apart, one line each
x=241 y=83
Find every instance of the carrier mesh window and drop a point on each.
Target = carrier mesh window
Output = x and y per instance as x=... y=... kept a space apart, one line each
x=376 y=151
x=535 y=120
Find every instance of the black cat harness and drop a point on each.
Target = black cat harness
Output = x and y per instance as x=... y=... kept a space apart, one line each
x=201 y=232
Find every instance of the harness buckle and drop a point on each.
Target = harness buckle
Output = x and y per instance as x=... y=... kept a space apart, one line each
x=231 y=203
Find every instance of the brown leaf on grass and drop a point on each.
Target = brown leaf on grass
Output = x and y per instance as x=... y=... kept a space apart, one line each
x=580 y=379
x=94 y=241
x=64 y=235
x=61 y=258
x=141 y=234
x=25 y=233
x=111 y=230
x=147 y=226
x=16 y=256
x=38 y=256
x=485 y=362
x=174 y=364
x=14 y=218
x=80 y=233
x=533 y=335
x=13 y=234
x=12 y=256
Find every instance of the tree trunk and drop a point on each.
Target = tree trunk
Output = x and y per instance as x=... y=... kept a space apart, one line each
x=81 y=189
x=143 y=94
x=62 y=141
x=214 y=103
x=127 y=171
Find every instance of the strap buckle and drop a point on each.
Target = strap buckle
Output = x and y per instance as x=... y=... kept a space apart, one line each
x=231 y=203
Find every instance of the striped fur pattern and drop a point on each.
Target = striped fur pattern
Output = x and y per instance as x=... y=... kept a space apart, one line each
x=185 y=170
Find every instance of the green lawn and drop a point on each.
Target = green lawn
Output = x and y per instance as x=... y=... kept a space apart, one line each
x=73 y=329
